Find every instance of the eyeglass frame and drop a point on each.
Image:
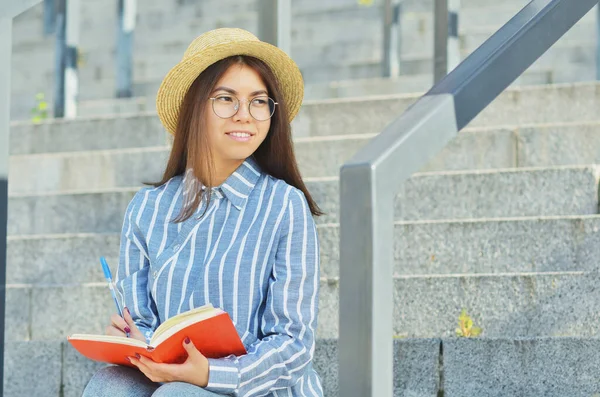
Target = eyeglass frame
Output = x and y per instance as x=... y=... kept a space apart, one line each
x=240 y=102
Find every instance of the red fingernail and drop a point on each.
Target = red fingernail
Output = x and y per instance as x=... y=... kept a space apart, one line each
x=187 y=340
x=127 y=329
x=137 y=355
x=128 y=359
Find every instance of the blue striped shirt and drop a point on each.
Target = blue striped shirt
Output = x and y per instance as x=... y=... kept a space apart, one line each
x=254 y=254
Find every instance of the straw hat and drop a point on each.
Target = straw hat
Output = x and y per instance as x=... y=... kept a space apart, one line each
x=214 y=46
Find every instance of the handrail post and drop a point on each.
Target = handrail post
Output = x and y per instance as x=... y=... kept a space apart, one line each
x=391 y=38
x=446 y=45
x=366 y=299
x=368 y=186
x=267 y=21
x=274 y=23
x=440 y=40
x=5 y=65
x=59 y=65
x=598 y=42
x=67 y=54
x=127 y=13
x=49 y=17
x=284 y=25
x=72 y=57
x=453 y=42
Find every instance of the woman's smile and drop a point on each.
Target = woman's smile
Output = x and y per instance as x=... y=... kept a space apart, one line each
x=240 y=136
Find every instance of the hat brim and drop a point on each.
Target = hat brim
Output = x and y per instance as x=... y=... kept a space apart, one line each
x=177 y=82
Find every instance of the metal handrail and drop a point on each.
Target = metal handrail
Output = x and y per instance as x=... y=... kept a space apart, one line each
x=370 y=181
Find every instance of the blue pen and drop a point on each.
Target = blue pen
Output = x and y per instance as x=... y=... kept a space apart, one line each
x=108 y=277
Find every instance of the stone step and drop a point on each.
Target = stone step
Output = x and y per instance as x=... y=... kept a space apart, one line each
x=478 y=16
x=326 y=27
x=155 y=56
x=473 y=148
x=418 y=83
x=318 y=27
x=583 y=32
x=97 y=72
x=439 y=195
x=563 y=55
x=563 y=70
x=508 y=245
x=314 y=6
x=574 y=66
x=145 y=91
x=98 y=133
x=60 y=258
x=317 y=62
x=517 y=106
x=563 y=59
x=502 y=304
x=105 y=169
x=158 y=22
x=317 y=157
x=165 y=45
x=533 y=367
x=337 y=45
x=308 y=26
x=509 y=305
x=73 y=213
x=158 y=18
x=159 y=44
x=522 y=105
x=68 y=372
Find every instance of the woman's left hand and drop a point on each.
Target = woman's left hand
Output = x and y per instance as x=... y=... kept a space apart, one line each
x=194 y=370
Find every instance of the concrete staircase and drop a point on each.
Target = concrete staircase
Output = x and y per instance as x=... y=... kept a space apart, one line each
x=326 y=45
x=503 y=223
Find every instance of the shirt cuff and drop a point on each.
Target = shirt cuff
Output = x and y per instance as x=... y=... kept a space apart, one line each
x=223 y=375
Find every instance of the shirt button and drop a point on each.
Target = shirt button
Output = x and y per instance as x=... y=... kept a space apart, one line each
x=154 y=274
x=176 y=247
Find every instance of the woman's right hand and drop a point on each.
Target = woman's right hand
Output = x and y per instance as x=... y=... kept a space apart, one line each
x=120 y=325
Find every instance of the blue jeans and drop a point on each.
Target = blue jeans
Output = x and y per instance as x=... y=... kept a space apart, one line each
x=119 y=381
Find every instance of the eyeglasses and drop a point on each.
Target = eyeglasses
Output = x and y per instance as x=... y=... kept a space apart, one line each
x=260 y=108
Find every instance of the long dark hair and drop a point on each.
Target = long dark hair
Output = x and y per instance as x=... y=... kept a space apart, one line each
x=191 y=148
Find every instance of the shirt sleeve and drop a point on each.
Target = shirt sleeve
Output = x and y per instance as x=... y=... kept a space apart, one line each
x=133 y=269
x=289 y=321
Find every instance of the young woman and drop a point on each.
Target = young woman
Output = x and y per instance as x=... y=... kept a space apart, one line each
x=230 y=224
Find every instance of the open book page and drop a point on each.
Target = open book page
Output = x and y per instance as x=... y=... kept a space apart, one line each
x=171 y=328
x=109 y=338
x=180 y=318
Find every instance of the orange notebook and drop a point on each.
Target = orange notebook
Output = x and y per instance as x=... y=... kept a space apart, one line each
x=211 y=330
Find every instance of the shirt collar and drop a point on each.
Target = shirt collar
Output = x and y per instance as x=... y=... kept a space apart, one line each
x=238 y=186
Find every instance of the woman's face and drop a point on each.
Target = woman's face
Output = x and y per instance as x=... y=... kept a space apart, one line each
x=235 y=138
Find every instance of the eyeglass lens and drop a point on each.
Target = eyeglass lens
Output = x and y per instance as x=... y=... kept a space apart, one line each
x=261 y=108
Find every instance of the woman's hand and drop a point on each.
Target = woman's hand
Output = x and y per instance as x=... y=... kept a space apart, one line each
x=194 y=370
x=120 y=325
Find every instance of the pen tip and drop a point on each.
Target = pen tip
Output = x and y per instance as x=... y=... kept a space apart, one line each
x=105 y=268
